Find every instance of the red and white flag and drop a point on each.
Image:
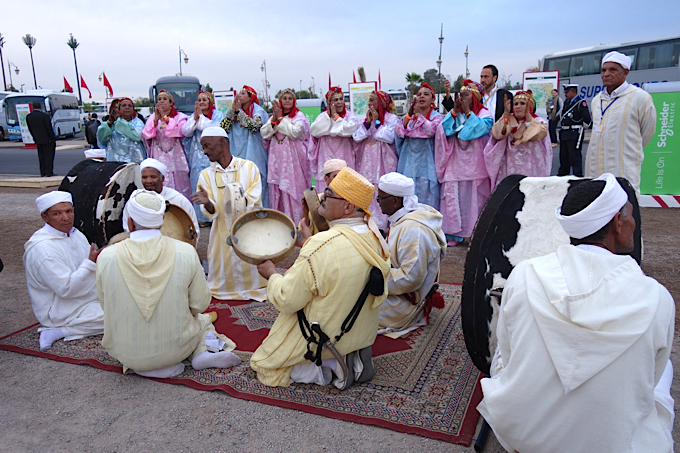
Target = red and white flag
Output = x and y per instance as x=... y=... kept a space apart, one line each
x=354 y=76
x=107 y=85
x=67 y=87
x=84 y=85
x=379 y=82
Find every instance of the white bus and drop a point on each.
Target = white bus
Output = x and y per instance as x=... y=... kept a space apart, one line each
x=401 y=101
x=62 y=107
x=653 y=61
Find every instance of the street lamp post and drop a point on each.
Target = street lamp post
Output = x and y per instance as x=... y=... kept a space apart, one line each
x=263 y=68
x=313 y=88
x=300 y=87
x=2 y=43
x=72 y=43
x=30 y=42
x=467 y=72
x=439 y=60
x=10 y=73
x=186 y=59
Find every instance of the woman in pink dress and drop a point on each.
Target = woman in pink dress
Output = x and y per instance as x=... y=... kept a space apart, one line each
x=285 y=137
x=376 y=153
x=332 y=136
x=520 y=144
x=163 y=135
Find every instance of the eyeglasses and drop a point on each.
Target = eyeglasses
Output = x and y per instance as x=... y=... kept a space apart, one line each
x=328 y=194
x=379 y=198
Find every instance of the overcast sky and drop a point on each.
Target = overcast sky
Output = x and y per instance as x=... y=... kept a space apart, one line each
x=136 y=42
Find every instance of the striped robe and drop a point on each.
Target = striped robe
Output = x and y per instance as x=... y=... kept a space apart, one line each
x=230 y=278
x=619 y=135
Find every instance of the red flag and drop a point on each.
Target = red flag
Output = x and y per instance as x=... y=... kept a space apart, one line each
x=84 y=85
x=329 y=80
x=107 y=84
x=67 y=87
x=379 y=82
x=354 y=76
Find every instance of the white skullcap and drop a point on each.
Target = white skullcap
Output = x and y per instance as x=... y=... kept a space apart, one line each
x=214 y=131
x=153 y=163
x=598 y=213
x=618 y=57
x=146 y=208
x=400 y=186
x=46 y=201
x=333 y=165
x=95 y=153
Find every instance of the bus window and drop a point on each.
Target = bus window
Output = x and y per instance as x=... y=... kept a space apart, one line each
x=632 y=52
x=585 y=64
x=558 y=64
x=656 y=56
x=398 y=96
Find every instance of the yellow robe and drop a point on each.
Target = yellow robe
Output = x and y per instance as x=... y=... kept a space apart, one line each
x=326 y=281
x=230 y=278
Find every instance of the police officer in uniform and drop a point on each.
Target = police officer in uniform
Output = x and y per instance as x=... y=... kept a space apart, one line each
x=575 y=118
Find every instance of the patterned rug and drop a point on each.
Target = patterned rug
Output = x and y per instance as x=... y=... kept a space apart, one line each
x=424 y=384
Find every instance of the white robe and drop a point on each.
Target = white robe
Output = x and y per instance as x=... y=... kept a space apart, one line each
x=583 y=339
x=61 y=282
x=620 y=134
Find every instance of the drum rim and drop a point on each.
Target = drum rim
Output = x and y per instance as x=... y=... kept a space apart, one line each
x=105 y=195
x=318 y=220
x=275 y=258
x=174 y=207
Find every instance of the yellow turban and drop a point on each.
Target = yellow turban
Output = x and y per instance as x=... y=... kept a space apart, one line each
x=354 y=188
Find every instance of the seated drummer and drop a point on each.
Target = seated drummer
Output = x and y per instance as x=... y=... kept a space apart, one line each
x=60 y=274
x=584 y=340
x=325 y=282
x=153 y=292
x=153 y=176
x=417 y=245
x=331 y=168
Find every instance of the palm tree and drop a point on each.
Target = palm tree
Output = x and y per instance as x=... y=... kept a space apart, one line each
x=362 y=74
x=2 y=43
x=73 y=43
x=30 y=42
x=413 y=78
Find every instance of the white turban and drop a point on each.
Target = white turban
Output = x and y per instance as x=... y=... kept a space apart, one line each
x=618 y=57
x=153 y=163
x=400 y=186
x=598 y=213
x=46 y=201
x=214 y=131
x=95 y=153
x=146 y=208
x=333 y=165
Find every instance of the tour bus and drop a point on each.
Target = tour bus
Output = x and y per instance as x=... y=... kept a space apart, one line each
x=653 y=61
x=62 y=107
x=184 y=91
x=401 y=101
x=4 y=134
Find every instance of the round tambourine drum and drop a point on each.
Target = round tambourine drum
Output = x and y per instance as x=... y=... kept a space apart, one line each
x=517 y=222
x=178 y=225
x=99 y=191
x=312 y=199
x=261 y=235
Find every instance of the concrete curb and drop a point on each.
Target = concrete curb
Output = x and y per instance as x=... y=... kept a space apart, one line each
x=30 y=182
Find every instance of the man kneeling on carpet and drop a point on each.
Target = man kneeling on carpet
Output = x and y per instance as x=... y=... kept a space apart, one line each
x=330 y=296
x=417 y=244
x=60 y=274
x=584 y=340
x=154 y=293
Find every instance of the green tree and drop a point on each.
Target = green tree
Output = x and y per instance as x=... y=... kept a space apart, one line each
x=458 y=83
x=413 y=79
x=435 y=80
x=142 y=102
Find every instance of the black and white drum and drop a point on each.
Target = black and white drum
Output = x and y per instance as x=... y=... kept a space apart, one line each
x=518 y=222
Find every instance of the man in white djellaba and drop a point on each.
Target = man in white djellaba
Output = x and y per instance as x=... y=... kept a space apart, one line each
x=584 y=340
x=60 y=274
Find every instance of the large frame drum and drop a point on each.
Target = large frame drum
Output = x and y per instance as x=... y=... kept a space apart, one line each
x=517 y=222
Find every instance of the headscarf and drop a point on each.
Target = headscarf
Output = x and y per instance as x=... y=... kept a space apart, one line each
x=527 y=96
x=477 y=91
x=597 y=214
x=294 y=110
x=400 y=186
x=46 y=201
x=134 y=115
x=617 y=57
x=153 y=163
x=173 y=112
x=329 y=95
x=434 y=96
x=385 y=104
x=211 y=101
x=253 y=100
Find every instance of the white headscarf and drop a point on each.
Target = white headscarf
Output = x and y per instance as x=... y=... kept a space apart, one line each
x=143 y=216
x=46 y=201
x=95 y=153
x=400 y=186
x=153 y=163
x=598 y=213
x=617 y=57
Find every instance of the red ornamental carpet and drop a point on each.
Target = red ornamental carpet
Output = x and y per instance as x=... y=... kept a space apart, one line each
x=425 y=384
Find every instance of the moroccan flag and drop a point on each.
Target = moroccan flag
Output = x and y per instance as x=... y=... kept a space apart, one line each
x=107 y=85
x=84 y=85
x=67 y=87
x=379 y=82
x=354 y=76
x=329 y=80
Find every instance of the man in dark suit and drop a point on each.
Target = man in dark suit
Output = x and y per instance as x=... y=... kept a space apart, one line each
x=494 y=97
x=40 y=126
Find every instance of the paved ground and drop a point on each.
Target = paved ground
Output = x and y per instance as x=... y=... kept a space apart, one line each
x=46 y=405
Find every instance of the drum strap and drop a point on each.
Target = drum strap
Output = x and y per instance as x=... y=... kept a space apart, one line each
x=375 y=286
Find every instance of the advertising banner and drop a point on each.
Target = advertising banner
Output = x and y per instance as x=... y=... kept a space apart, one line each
x=541 y=84
x=358 y=97
x=22 y=112
x=224 y=100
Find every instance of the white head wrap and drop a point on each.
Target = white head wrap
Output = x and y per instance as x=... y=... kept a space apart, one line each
x=333 y=165
x=400 y=186
x=153 y=163
x=598 y=213
x=617 y=57
x=46 y=201
x=146 y=208
x=95 y=153
x=214 y=131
